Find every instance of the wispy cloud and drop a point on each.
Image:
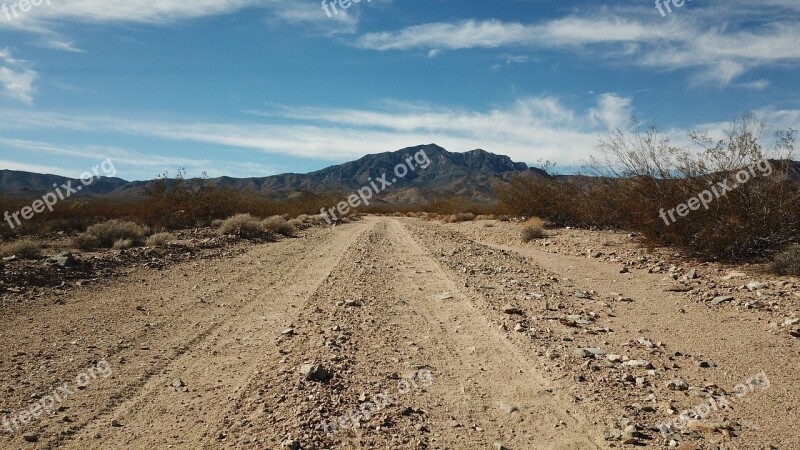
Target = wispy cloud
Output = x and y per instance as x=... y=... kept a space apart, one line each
x=710 y=40
x=16 y=78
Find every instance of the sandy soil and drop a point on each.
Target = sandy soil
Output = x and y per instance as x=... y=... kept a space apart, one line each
x=395 y=333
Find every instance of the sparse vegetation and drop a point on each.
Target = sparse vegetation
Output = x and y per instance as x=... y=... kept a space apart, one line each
x=123 y=244
x=160 y=239
x=533 y=229
x=459 y=217
x=278 y=224
x=787 y=262
x=110 y=233
x=244 y=225
x=639 y=173
x=23 y=249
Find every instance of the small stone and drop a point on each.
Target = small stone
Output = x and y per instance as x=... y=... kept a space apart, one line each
x=291 y=444
x=499 y=446
x=315 y=372
x=352 y=303
x=288 y=332
x=30 y=437
x=722 y=299
x=692 y=275
x=756 y=285
x=588 y=352
x=444 y=296
x=638 y=363
x=520 y=327
x=65 y=260
x=510 y=309
x=583 y=294
x=678 y=385
x=614 y=358
x=678 y=288
x=178 y=383
x=116 y=423
x=508 y=408
x=704 y=364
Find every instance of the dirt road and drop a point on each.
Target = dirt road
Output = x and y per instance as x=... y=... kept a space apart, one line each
x=392 y=333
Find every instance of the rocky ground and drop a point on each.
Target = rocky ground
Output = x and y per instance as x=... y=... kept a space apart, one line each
x=400 y=333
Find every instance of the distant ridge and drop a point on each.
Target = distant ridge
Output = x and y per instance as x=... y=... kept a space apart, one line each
x=471 y=175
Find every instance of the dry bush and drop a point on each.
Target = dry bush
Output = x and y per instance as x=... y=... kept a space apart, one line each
x=639 y=173
x=160 y=239
x=106 y=234
x=216 y=223
x=123 y=244
x=486 y=217
x=298 y=224
x=23 y=249
x=86 y=242
x=459 y=217
x=278 y=224
x=787 y=262
x=532 y=232
x=244 y=225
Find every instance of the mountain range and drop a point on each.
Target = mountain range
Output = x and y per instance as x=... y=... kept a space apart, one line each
x=470 y=175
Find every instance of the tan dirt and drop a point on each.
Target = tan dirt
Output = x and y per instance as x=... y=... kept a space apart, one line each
x=405 y=317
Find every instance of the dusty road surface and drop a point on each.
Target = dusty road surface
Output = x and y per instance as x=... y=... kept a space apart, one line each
x=397 y=333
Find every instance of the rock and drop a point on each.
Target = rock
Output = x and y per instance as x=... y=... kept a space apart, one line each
x=352 y=303
x=756 y=285
x=588 y=352
x=733 y=275
x=444 y=296
x=315 y=372
x=794 y=333
x=638 y=363
x=624 y=270
x=691 y=275
x=704 y=364
x=520 y=327
x=614 y=358
x=509 y=309
x=788 y=321
x=499 y=446
x=288 y=332
x=116 y=424
x=65 y=260
x=583 y=294
x=706 y=427
x=508 y=408
x=30 y=437
x=722 y=299
x=178 y=383
x=292 y=444
x=678 y=385
x=678 y=288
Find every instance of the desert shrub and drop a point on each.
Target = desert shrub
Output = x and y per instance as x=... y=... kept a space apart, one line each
x=485 y=217
x=459 y=217
x=244 y=225
x=297 y=224
x=23 y=248
x=639 y=176
x=123 y=244
x=106 y=234
x=278 y=224
x=86 y=242
x=216 y=223
x=160 y=239
x=787 y=262
x=531 y=232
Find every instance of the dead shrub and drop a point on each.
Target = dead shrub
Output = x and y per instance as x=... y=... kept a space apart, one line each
x=160 y=239
x=23 y=249
x=787 y=262
x=532 y=232
x=278 y=224
x=244 y=225
x=123 y=244
x=459 y=217
x=106 y=234
x=297 y=224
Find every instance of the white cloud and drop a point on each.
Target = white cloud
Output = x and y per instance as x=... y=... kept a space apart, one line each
x=16 y=78
x=613 y=112
x=711 y=40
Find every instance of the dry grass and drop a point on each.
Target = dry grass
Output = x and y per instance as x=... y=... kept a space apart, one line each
x=123 y=244
x=243 y=225
x=459 y=217
x=278 y=224
x=533 y=229
x=160 y=240
x=23 y=249
x=109 y=233
x=787 y=262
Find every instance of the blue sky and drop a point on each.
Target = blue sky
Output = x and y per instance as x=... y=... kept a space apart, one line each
x=258 y=87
